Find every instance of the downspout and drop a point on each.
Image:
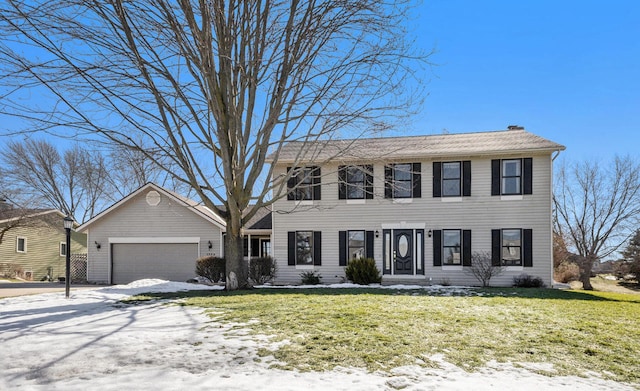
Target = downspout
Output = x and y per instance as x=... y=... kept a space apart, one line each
x=554 y=155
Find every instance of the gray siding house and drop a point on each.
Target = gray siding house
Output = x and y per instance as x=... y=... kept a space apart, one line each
x=420 y=206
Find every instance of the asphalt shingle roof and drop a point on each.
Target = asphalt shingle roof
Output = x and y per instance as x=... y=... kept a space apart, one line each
x=440 y=145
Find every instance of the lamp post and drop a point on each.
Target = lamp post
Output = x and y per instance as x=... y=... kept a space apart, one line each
x=68 y=224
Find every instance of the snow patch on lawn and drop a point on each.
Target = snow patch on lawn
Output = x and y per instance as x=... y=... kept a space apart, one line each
x=95 y=341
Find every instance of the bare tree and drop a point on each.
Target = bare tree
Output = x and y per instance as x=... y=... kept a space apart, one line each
x=73 y=182
x=482 y=267
x=214 y=87
x=597 y=209
x=131 y=168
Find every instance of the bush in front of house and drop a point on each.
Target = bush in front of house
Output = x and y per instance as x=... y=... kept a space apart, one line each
x=262 y=270
x=363 y=271
x=310 y=277
x=212 y=268
x=527 y=281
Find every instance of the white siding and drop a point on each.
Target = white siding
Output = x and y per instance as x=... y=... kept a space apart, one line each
x=480 y=213
x=137 y=219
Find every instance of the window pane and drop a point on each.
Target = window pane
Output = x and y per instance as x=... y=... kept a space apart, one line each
x=356 y=244
x=355 y=192
x=451 y=237
x=451 y=187
x=511 y=168
x=304 y=248
x=511 y=237
x=511 y=185
x=355 y=175
x=402 y=172
x=451 y=170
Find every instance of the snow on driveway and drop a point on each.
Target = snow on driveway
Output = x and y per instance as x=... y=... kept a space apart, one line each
x=92 y=341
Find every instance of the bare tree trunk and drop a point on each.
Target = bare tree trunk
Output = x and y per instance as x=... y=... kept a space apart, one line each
x=236 y=268
x=586 y=266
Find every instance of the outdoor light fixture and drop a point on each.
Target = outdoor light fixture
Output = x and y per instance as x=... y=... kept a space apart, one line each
x=377 y=233
x=68 y=224
x=429 y=233
x=210 y=245
x=97 y=245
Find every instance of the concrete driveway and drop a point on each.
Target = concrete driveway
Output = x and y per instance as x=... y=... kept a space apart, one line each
x=10 y=289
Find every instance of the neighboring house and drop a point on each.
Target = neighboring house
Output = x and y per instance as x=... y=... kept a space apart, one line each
x=420 y=206
x=155 y=233
x=151 y=233
x=33 y=244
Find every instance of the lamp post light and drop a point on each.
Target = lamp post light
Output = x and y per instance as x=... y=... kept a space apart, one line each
x=68 y=224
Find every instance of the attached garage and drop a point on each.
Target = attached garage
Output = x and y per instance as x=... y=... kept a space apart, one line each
x=167 y=261
x=151 y=233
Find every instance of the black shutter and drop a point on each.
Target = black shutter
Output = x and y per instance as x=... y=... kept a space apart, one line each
x=437 y=179
x=316 y=183
x=496 y=248
x=417 y=182
x=342 y=248
x=527 y=173
x=368 y=244
x=495 y=177
x=388 y=182
x=291 y=248
x=368 y=184
x=466 y=178
x=317 y=248
x=291 y=183
x=466 y=247
x=342 y=182
x=527 y=247
x=437 y=247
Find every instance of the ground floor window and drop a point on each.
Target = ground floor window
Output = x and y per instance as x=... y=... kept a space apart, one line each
x=451 y=246
x=304 y=248
x=512 y=247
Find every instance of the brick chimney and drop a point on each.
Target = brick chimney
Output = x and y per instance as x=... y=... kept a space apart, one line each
x=515 y=127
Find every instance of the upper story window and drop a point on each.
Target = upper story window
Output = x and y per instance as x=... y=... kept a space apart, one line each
x=356 y=182
x=304 y=184
x=402 y=180
x=511 y=176
x=21 y=244
x=63 y=249
x=452 y=179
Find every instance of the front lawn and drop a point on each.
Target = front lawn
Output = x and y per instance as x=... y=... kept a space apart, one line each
x=378 y=329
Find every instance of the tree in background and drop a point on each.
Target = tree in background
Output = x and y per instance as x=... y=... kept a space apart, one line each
x=73 y=182
x=213 y=87
x=596 y=207
x=631 y=255
x=564 y=268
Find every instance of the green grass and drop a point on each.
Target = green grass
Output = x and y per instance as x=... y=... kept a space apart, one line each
x=377 y=329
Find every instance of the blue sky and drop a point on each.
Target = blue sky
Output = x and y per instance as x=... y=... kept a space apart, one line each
x=566 y=70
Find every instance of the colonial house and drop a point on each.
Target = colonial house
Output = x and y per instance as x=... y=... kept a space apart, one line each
x=422 y=206
x=33 y=243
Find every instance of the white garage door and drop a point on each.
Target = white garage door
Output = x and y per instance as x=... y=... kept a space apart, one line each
x=167 y=261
